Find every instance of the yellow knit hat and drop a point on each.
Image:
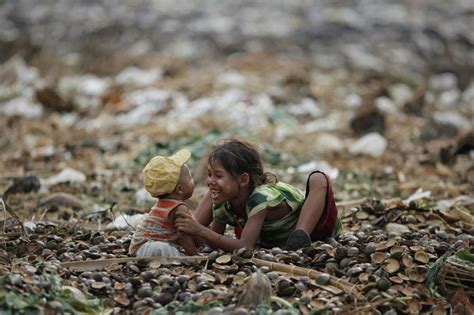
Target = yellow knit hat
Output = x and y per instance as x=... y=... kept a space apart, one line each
x=161 y=174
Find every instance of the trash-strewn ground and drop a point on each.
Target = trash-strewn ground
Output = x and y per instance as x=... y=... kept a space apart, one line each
x=379 y=95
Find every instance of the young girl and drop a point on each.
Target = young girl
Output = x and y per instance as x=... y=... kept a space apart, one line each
x=262 y=210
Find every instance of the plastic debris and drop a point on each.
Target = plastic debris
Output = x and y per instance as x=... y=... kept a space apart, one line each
x=322 y=166
x=125 y=222
x=23 y=107
x=443 y=82
x=417 y=195
x=142 y=196
x=66 y=175
x=307 y=107
x=453 y=118
x=86 y=90
x=138 y=77
x=326 y=142
x=372 y=144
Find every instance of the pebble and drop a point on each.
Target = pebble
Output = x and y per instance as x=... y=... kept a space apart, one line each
x=369 y=249
x=352 y=251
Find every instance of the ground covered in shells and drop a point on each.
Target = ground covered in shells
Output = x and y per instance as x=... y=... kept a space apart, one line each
x=382 y=103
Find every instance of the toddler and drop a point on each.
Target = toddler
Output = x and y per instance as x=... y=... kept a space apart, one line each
x=169 y=180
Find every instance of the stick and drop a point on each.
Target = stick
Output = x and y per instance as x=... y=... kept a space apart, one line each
x=350 y=203
x=84 y=265
x=313 y=274
x=15 y=216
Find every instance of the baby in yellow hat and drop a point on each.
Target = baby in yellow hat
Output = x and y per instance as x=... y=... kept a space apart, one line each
x=169 y=180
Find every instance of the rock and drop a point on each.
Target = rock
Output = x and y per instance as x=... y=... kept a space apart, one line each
x=396 y=229
x=433 y=130
x=258 y=290
x=25 y=184
x=62 y=200
x=50 y=99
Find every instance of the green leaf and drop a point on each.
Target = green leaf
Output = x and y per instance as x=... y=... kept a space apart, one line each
x=434 y=269
x=465 y=255
x=91 y=306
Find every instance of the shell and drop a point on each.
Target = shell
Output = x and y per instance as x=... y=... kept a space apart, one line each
x=391 y=265
x=422 y=257
x=224 y=259
x=407 y=261
x=417 y=276
x=396 y=279
x=377 y=257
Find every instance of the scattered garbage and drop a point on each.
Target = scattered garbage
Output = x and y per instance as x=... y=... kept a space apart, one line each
x=326 y=142
x=66 y=175
x=322 y=166
x=443 y=82
x=381 y=104
x=142 y=196
x=125 y=222
x=372 y=144
x=417 y=195
x=134 y=76
x=86 y=90
x=23 y=107
x=369 y=119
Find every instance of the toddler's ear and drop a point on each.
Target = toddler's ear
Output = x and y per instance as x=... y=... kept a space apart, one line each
x=244 y=179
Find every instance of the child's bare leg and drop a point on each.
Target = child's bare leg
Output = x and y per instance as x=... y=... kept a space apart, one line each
x=311 y=212
x=313 y=206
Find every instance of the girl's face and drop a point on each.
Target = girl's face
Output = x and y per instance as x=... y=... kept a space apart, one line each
x=222 y=184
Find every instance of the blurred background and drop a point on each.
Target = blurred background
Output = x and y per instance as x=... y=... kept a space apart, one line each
x=377 y=93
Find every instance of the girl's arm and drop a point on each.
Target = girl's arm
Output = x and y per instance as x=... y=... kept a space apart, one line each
x=250 y=234
x=203 y=212
x=185 y=240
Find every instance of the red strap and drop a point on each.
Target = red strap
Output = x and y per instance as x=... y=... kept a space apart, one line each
x=328 y=220
x=238 y=231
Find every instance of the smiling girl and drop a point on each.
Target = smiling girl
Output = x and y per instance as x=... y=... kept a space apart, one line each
x=263 y=211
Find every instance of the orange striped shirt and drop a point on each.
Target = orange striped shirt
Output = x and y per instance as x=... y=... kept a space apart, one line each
x=155 y=225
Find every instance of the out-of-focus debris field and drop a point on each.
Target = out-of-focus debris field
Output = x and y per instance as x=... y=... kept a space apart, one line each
x=377 y=94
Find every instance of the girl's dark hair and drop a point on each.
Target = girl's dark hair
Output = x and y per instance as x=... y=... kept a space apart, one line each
x=239 y=156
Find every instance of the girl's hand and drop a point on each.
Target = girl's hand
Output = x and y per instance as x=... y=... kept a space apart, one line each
x=186 y=223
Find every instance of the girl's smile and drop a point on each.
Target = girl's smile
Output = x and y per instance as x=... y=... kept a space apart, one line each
x=222 y=184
